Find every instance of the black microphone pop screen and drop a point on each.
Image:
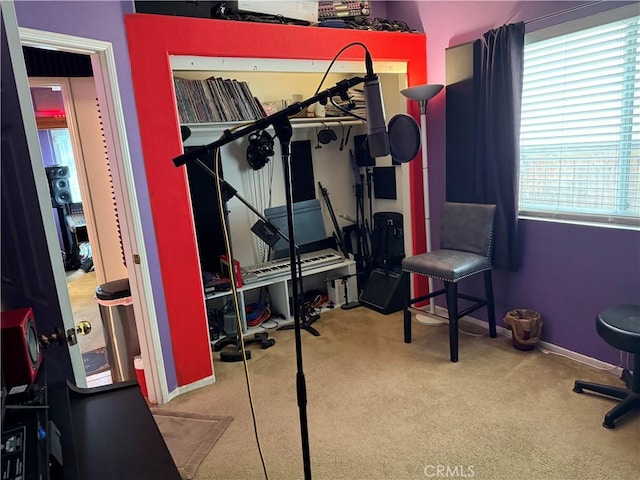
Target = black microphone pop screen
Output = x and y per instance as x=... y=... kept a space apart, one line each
x=377 y=136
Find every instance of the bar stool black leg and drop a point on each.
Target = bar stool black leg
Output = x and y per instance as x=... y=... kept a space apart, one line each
x=452 y=307
x=406 y=280
x=488 y=287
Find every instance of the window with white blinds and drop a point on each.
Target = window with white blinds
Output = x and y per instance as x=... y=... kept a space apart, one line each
x=580 y=131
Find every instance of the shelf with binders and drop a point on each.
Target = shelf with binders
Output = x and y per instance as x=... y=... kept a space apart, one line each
x=230 y=97
x=201 y=133
x=267 y=86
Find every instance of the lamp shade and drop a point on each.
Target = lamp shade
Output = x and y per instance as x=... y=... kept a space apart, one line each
x=422 y=92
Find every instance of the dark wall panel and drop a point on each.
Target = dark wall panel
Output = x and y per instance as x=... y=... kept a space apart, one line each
x=461 y=78
x=206 y=214
x=48 y=63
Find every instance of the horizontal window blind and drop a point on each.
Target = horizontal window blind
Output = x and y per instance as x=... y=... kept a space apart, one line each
x=580 y=125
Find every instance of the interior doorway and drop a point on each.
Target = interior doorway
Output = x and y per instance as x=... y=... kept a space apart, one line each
x=70 y=157
x=111 y=114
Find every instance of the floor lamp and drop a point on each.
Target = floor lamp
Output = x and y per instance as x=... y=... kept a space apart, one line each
x=422 y=94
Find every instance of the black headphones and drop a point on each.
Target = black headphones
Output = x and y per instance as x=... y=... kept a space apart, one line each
x=260 y=149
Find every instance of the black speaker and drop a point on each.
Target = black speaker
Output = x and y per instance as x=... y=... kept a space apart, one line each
x=59 y=190
x=384 y=291
x=387 y=240
x=57 y=171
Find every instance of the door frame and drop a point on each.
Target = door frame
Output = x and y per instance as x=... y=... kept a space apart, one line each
x=104 y=74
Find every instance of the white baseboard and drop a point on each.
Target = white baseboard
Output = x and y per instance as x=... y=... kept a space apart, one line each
x=578 y=357
x=544 y=347
x=190 y=387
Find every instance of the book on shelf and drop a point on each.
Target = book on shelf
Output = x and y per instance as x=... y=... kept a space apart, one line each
x=215 y=99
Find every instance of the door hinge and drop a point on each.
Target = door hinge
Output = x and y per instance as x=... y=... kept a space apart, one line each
x=136 y=259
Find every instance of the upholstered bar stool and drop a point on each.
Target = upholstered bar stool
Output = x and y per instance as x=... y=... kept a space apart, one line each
x=619 y=326
x=465 y=249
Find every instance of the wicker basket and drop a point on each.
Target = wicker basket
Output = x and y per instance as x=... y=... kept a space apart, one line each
x=525 y=326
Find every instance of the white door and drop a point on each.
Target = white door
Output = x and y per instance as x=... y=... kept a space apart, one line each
x=103 y=64
x=32 y=270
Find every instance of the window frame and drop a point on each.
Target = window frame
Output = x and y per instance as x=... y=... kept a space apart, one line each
x=565 y=28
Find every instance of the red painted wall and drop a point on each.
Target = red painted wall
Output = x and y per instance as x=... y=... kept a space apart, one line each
x=152 y=38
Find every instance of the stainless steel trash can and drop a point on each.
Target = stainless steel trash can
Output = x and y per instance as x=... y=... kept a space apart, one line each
x=119 y=325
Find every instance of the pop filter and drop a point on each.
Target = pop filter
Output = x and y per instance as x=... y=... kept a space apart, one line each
x=404 y=138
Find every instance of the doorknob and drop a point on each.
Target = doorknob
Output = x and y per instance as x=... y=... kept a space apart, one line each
x=83 y=328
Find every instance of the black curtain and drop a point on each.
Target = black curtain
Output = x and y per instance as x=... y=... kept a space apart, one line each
x=497 y=151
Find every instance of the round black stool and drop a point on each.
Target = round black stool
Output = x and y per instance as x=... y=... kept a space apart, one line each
x=619 y=326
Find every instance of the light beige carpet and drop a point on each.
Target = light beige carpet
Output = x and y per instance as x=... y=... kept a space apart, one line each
x=189 y=436
x=381 y=409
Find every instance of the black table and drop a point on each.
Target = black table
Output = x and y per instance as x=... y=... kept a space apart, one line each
x=99 y=433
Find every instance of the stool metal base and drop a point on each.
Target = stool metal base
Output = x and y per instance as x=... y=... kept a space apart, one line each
x=630 y=399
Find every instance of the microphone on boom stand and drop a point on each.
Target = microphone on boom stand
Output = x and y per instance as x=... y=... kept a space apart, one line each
x=377 y=135
x=379 y=145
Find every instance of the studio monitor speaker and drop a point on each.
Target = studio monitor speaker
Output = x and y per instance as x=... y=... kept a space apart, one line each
x=58 y=176
x=384 y=291
x=21 y=355
x=57 y=171
x=61 y=195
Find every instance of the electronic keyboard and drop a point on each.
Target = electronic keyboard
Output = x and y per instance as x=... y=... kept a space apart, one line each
x=275 y=268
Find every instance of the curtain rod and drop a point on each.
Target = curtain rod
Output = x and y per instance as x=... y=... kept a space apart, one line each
x=562 y=12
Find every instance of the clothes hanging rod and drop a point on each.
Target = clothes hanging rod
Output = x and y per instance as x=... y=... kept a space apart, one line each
x=563 y=12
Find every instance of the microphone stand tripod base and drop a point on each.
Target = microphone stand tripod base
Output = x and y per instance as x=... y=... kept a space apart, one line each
x=350 y=305
x=305 y=324
x=234 y=356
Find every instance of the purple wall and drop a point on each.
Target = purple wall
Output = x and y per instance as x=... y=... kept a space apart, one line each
x=104 y=20
x=568 y=272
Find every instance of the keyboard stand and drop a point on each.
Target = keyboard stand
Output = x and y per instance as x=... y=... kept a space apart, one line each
x=236 y=354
